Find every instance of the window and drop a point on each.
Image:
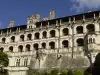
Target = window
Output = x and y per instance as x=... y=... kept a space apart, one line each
x=36 y=46
x=13 y=39
x=44 y=34
x=18 y=62
x=65 y=43
x=3 y=40
x=20 y=48
x=80 y=42
x=52 y=45
x=79 y=29
x=52 y=33
x=1 y=49
x=90 y=40
x=22 y=38
x=44 y=45
x=28 y=47
x=29 y=37
x=65 y=31
x=90 y=28
x=11 y=49
x=37 y=35
x=26 y=62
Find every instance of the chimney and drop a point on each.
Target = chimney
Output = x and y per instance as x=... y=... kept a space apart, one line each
x=11 y=23
x=38 y=17
x=52 y=14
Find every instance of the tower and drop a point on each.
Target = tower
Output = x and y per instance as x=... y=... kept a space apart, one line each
x=52 y=14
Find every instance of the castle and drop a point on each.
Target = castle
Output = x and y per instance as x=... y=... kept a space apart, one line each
x=51 y=43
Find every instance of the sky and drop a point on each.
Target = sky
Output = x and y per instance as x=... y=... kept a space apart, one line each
x=19 y=10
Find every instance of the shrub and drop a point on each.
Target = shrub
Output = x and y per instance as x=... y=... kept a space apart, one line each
x=54 y=72
x=78 y=72
x=70 y=72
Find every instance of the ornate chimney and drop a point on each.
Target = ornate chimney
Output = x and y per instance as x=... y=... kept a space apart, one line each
x=11 y=23
x=52 y=14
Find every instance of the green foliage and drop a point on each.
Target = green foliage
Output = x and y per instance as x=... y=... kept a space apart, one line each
x=46 y=73
x=4 y=59
x=54 y=72
x=78 y=72
x=64 y=72
x=34 y=74
x=70 y=72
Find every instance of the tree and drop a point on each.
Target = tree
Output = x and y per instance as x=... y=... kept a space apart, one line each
x=4 y=61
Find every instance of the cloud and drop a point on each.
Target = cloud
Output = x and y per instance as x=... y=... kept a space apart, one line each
x=80 y=5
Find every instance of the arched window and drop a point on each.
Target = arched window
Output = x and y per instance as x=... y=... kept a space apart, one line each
x=29 y=37
x=65 y=43
x=37 y=35
x=44 y=34
x=28 y=47
x=80 y=42
x=52 y=33
x=20 y=48
x=44 y=45
x=93 y=40
x=18 y=63
x=26 y=62
x=1 y=49
x=3 y=40
x=13 y=39
x=22 y=38
x=36 y=46
x=52 y=45
x=90 y=28
x=65 y=31
x=79 y=29
x=11 y=48
x=90 y=40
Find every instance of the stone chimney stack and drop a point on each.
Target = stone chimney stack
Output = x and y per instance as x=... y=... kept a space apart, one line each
x=11 y=23
x=52 y=14
x=38 y=17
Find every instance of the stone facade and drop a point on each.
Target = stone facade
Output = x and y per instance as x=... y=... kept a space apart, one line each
x=57 y=43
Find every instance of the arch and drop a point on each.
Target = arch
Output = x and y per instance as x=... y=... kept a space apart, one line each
x=28 y=47
x=11 y=48
x=65 y=43
x=79 y=29
x=52 y=45
x=65 y=31
x=44 y=34
x=36 y=46
x=1 y=49
x=37 y=35
x=20 y=48
x=44 y=45
x=29 y=37
x=52 y=33
x=13 y=39
x=3 y=40
x=90 y=28
x=80 y=42
x=22 y=38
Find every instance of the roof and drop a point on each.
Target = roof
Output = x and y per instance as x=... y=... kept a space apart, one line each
x=53 y=21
